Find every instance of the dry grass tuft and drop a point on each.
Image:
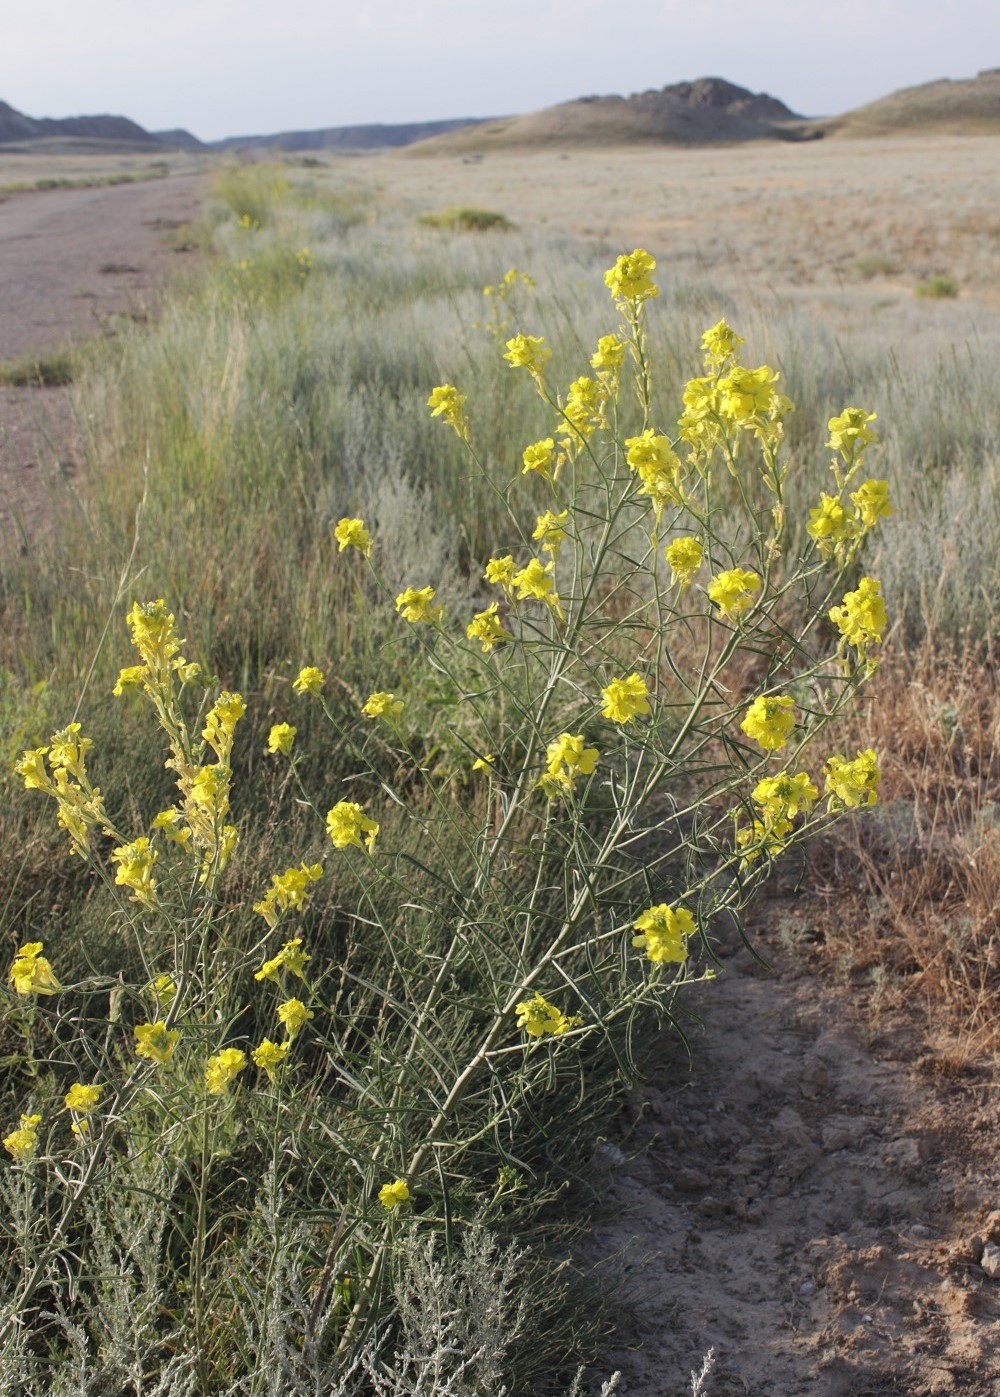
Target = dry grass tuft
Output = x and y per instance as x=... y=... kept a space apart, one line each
x=913 y=890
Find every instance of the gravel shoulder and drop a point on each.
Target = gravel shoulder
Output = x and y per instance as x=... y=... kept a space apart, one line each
x=74 y=263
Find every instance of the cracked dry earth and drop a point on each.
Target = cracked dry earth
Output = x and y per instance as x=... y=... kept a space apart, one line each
x=817 y=1204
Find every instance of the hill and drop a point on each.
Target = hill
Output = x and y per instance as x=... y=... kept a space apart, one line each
x=685 y=113
x=117 y=131
x=372 y=137
x=965 y=106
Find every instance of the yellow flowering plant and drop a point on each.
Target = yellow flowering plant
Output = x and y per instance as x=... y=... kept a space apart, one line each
x=640 y=677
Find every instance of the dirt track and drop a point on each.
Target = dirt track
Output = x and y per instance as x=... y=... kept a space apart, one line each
x=71 y=262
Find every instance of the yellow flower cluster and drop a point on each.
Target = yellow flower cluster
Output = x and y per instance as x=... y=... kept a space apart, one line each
x=852 y=783
x=20 y=1144
x=540 y=1019
x=549 y=532
x=625 y=699
x=220 y=723
x=394 y=1195
x=862 y=618
x=733 y=592
x=720 y=344
x=684 y=556
x=487 y=628
x=222 y=1069
x=583 y=413
x=281 y=739
x=780 y=799
x=448 y=403
x=347 y=822
x=630 y=279
x=528 y=352
x=837 y=532
x=291 y=957
x=309 y=680
x=80 y=1100
x=539 y=458
x=535 y=582
x=289 y=891
x=382 y=705
x=565 y=759
x=351 y=533
x=135 y=870
x=658 y=467
x=663 y=933
x=417 y=604
x=79 y=805
x=31 y=973
x=156 y=1041
x=770 y=721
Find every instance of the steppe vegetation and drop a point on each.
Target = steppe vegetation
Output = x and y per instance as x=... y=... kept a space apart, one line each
x=390 y=1209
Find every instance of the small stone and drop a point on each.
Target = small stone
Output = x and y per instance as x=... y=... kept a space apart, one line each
x=709 y=1207
x=807 y=1288
x=815 y=1079
x=687 y=1180
x=920 y=1229
x=839 y=1133
x=991 y=1260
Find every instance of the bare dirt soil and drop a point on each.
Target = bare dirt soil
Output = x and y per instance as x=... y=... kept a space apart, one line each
x=74 y=261
x=813 y=1200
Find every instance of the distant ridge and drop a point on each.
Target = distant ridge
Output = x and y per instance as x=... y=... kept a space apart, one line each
x=684 y=113
x=963 y=106
x=119 y=131
x=373 y=137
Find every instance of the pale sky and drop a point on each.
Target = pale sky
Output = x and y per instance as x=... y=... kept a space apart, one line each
x=239 y=67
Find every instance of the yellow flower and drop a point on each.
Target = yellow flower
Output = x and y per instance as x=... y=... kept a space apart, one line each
x=485 y=627
x=625 y=699
x=762 y=837
x=733 y=592
x=499 y=572
x=289 y=958
x=862 y=618
x=31 y=973
x=281 y=739
x=392 y=1195
x=416 y=604
x=746 y=395
x=850 y=432
x=220 y=723
x=684 y=556
x=153 y=634
x=535 y=581
x=528 y=352
x=549 y=531
x=565 y=759
x=539 y=1019
x=783 y=797
x=170 y=823
x=294 y=1015
x=770 y=721
x=719 y=343
x=382 y=705
x=872 y=502
x=130 y=678
x=664 y=932
x=852 y=783
x=288 y=890
x=135 y=870
x=68 y=751
x=20 y=1144
x=582 y=411
x=351 y=533
x=630 y=278
x=31 y=768
x=156 y=1041
x=310 y=680
x=347 y=822
x=222 y=1069
x=657 y=465
x=163 y=989
x=270 y=1056
x=484 y=763
x=83 y=1097
x=830 y=526
x=609 y=356
x=539 y=457
x=447 y=402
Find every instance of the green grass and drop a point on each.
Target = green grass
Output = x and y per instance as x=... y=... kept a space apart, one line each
x=51 y=370
x=467 y=220
x=937 y=288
